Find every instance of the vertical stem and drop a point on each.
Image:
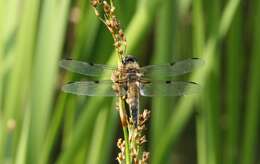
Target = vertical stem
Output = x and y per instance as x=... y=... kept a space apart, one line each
x=251 y=133
x=212 y=88
x=123 y=117
x=235 y=66
x=198 y=44
x=127 y=151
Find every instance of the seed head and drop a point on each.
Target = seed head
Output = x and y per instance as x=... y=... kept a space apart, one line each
x=94 y=3
x=107 y=7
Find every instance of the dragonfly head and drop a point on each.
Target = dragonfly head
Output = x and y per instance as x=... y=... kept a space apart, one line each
x=129 y=59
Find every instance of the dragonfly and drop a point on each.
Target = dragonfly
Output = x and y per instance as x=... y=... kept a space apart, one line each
x=131 y=81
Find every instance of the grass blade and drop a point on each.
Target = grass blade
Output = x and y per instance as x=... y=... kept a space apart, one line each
x=252 y=103
x=234 y=94
x=198 y=45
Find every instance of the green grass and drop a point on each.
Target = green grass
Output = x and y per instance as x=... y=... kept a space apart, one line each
x=40 y=124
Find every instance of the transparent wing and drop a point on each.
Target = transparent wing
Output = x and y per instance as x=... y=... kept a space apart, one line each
x=88 y=69
x=169 y=88
x=91 y=88
x=172 y=69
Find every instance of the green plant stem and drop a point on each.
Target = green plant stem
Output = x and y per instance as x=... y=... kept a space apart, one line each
x=198 y=44
x=127 y=150
x=212 y=89
x=123 y=117
x=234 y=78
x=251 y=132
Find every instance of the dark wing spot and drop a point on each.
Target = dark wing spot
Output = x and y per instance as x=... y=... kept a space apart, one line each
x=90 y=63
x=194 y=58
x=68 y=58
x=192 y=82
x=70 y=82
x=172 y=63
x=96 y=81
x=168 y=82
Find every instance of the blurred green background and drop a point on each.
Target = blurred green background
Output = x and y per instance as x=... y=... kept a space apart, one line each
x=40 y=124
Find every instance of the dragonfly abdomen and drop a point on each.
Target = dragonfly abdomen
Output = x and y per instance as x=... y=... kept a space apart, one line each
x=133 y=101
x=134 y=111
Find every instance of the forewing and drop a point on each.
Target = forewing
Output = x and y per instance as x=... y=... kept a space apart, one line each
x=172 y=69
x=91 y=88
x=169 y=88
x=88 y=69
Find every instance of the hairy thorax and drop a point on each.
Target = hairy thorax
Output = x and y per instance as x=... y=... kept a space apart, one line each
x=127 y=77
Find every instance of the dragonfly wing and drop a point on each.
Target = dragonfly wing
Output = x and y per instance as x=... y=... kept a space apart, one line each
x=88 y=69
x=169 y=88
x=91 y=88
x=172 y=69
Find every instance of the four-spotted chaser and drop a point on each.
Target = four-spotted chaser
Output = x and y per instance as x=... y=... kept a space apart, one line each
x=129 y=80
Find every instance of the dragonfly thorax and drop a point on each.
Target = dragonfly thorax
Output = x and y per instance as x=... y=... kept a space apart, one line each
x=132 y=71
x=132 y=77
x=128 y=72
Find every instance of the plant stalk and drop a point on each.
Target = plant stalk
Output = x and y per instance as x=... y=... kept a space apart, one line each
x=123 y=118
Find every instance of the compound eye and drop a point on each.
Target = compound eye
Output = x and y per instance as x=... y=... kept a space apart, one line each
x=129 y=59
